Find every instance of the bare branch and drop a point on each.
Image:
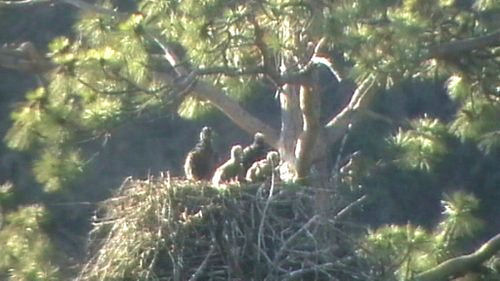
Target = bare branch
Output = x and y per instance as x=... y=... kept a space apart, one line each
x=290 y=239
x=457 y=47
x=225 y=104
x=228 y=71
x=203 y=265
x=22 y=2
x=361 y=98
x=235 y=112
x=24 y=58
x=260 y=233
x=294 y=275
x=218 y=98
x=350 y=207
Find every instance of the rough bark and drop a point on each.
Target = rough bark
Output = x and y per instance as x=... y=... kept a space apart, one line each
x=361 y=99
x=310 y=108
x=235 y=112
x=460 y=265
x=291 y=126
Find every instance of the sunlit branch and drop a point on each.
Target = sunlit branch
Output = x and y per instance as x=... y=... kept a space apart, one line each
x=229 y=71
x=22 y=2
x=357 y=101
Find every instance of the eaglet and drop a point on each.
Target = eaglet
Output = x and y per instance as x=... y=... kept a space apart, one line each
x=253 y=152
x=231 y=170
x=201 y=159
x=263 y=169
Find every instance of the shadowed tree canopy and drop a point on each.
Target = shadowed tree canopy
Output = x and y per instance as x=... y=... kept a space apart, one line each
x=189 y=56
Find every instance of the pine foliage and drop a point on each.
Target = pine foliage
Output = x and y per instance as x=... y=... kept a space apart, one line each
x=108 y=73
x=401 y=252
x=422 y=147
x=26 y=252
x=459 y=218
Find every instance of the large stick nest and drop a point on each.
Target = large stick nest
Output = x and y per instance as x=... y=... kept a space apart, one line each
x=171 y=229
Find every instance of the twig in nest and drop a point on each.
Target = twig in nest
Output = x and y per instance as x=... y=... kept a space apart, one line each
x=279 y=254
x=349 y=207
x=296 y=273
x=261 y=225
x=203 y=265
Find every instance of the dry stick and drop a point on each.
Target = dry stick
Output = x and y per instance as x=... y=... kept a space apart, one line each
x=296 y=273
x=349 y=207
x=159 y=239
x=336 y=167
x=203 y=265
x=261 y=224
x=293 y=237
x=95 y=258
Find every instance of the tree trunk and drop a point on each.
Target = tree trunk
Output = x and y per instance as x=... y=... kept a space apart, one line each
x=291 y=126
x=310 y=107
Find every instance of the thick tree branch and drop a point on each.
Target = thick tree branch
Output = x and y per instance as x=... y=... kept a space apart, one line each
x=310 y=105
x=267 y=58
x=291 y=122
x=461 y=264
x=361 y=98
x=219 y=99
x=24 y=58
x=454 y=48
x=235 y=112
x=231 y=72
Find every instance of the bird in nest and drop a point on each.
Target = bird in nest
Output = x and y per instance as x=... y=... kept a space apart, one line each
x=231 y=170
x=253 y=152
x=200 y=160
x=264 y=169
